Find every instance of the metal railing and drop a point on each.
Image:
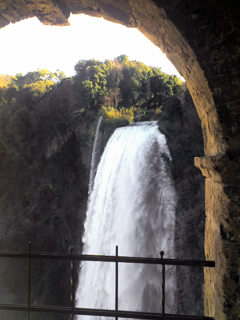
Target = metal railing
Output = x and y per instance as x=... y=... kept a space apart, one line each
x=72 y=310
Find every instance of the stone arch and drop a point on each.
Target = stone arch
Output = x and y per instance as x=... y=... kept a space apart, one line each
x=201 y=38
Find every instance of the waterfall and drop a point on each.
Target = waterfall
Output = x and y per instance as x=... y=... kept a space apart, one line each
x=132 y=205
x=94 y=156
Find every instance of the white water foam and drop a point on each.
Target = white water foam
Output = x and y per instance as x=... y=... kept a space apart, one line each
x=132 y=205
x=94 y=156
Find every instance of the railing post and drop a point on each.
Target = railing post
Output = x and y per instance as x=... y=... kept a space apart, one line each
x=116 y=285
x=163 y=284
x=72 y=283
x=29 y=279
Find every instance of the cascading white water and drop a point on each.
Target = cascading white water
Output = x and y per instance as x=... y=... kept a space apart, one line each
x=132 y=205
x=94 y=156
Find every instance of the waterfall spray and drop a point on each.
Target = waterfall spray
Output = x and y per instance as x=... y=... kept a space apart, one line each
x=132 y=205
x=94 y=156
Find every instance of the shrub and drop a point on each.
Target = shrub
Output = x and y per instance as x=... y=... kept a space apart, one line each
x=115 y=115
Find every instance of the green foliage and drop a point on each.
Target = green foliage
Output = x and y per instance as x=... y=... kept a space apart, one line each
x=5 y=80
x=123 y=58
x=91 y=83
x=162 y=88
x=123 y=83
x=38 y=82
x=43 y=190
x=39 y=87
x=20 y=124
x=113 y=114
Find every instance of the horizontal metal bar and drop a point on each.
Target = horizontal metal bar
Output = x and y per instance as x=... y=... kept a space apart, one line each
x=102 y=312
x=120 y=259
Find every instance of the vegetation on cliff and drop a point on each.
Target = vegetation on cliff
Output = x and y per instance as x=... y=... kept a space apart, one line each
x=47 y=125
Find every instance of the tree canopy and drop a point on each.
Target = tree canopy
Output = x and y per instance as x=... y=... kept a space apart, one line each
x=123 y=83
x=41 y=104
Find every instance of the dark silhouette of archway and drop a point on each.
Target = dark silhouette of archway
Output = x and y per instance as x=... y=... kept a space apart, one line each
x=201 y=38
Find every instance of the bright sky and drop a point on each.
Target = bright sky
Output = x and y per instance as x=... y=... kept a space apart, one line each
x=29 y=45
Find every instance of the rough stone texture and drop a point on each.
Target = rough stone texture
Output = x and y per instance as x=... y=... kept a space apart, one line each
x=47 y=11
x=222 y=229
x=202 y=39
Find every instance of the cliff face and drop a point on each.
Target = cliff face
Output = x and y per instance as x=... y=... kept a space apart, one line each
x=181 y=126
x=47 y=208
x=44 y=191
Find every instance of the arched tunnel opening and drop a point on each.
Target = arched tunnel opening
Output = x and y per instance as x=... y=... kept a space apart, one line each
x=201 y=40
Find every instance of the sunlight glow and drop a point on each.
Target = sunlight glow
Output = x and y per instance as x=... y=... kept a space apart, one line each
x=29 y=45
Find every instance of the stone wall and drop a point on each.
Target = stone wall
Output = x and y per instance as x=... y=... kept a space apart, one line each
x=202 y=39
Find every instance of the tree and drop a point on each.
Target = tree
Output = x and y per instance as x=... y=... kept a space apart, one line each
x=91 y=83
x=122 y=58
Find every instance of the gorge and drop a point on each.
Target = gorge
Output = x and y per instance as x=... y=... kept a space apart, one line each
x=52 y=136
